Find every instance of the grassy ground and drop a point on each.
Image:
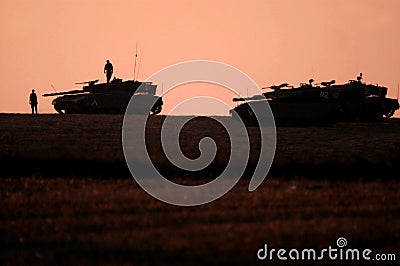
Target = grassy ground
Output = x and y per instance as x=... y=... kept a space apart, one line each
x=66 y=196
x=114 y=221
x=98 y=138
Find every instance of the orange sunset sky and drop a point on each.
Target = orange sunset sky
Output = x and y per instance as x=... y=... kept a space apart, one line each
x=59 y=42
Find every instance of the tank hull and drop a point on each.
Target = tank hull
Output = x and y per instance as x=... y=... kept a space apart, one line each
x=102 y=104
x=108 y=98
x=286 y=113
x=371 y=109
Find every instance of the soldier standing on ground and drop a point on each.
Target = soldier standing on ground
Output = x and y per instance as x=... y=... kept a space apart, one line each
x=33 y=102
x=108 y=69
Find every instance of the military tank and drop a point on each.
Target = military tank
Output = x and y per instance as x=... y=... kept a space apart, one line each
x=322 y=103
x=106 y=98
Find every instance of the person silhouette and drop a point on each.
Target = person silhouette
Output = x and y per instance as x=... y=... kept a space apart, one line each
x=359 y=78
x=33 y=102
x=108 y=69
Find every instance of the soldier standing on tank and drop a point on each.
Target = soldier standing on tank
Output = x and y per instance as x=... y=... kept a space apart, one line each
x=108 y=69
x=359 y=78
x=33 y=102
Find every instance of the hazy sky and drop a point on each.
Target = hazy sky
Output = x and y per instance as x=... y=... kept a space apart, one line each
x=48 y=42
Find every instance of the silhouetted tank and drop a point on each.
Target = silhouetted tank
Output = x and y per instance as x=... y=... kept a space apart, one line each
x=107 y=98
x=324 y=103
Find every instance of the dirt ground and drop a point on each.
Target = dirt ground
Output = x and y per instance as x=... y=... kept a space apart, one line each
x=67 y=197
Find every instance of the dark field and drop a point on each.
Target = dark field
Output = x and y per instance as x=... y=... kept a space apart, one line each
x=67 y=196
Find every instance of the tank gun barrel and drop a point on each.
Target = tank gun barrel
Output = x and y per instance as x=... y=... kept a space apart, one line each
x=255 y=97
x=63 y=93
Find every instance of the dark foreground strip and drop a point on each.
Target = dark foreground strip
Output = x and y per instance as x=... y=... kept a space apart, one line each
x=118 y=169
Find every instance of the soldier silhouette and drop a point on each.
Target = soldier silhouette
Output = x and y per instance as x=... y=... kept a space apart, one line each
x=33 y=102
x=108 y=69
x=359 y=78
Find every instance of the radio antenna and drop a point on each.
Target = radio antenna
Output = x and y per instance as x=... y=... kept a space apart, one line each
x=134 y=69
x=140 y=61
x=397 y=91
x=54 y=88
